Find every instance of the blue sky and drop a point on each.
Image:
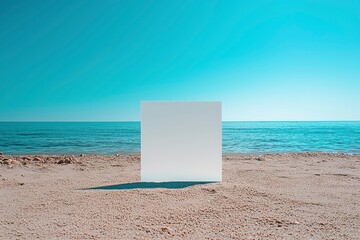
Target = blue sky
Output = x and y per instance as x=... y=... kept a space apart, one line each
x=96 y=60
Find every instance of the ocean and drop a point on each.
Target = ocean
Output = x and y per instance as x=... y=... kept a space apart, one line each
x=18 y=138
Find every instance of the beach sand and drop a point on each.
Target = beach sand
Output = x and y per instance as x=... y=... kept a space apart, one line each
x=273 y=196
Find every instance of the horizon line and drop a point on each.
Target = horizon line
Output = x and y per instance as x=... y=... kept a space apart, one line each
x=85 y=121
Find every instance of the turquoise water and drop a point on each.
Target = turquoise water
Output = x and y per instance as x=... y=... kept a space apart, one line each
x=124 y=137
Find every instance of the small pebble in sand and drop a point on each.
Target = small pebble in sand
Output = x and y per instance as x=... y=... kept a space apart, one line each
x=7 y=161
x=1 y=153
x=15 y=162
x=37 y=159
x=64 y=161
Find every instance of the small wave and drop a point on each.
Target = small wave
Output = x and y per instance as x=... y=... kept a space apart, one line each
x=29 y=134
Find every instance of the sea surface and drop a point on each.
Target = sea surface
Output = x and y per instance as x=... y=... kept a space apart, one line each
x=18 y=138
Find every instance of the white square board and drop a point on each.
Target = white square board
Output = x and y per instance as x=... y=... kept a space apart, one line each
x=181 y=141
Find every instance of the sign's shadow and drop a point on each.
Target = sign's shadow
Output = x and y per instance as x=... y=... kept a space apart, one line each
x=147 y=185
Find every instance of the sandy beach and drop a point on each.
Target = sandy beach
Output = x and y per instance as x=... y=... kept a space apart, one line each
x=273 y=196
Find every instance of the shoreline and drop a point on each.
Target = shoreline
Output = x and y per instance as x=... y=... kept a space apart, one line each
x=76 y=158
x=291 y=195
x=139 y=153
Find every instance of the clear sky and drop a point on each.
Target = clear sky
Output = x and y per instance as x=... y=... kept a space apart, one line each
x=96 y=60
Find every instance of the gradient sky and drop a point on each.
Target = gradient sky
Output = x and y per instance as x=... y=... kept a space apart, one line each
x=96 y=60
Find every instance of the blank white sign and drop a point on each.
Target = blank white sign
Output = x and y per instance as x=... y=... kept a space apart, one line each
x=181 y=141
